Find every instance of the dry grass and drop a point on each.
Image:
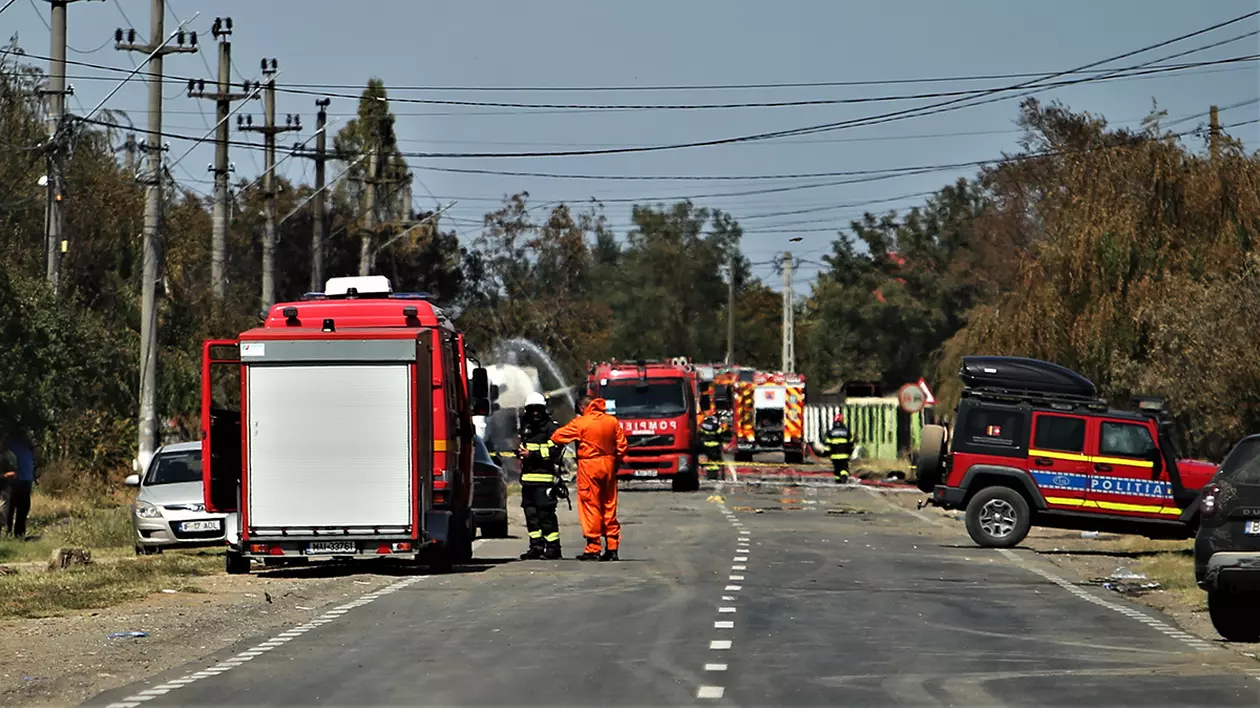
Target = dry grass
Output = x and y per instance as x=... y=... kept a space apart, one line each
x=100 y=522
x=44 y=594
x=103 y=527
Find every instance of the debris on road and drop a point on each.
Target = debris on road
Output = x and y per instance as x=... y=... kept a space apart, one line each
x=1123 y=573
x=128 y=635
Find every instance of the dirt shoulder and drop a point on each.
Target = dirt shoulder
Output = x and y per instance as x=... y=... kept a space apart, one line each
x=1094 y=559
x=61 y=656
x=65 y=660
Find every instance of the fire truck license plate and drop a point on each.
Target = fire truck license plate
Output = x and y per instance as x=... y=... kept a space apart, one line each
x=1252 y=528
x=645 y=473
x=330 y=547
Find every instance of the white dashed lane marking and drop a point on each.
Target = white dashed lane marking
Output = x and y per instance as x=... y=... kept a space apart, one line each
x=716 y=692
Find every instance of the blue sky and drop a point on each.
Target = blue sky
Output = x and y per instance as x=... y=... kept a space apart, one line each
x=659 y=42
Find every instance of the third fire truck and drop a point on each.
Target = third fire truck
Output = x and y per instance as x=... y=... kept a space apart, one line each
x=656 y=403
x=770 y=416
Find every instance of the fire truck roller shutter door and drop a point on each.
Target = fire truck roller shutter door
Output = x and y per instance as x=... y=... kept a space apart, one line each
x=336 y=454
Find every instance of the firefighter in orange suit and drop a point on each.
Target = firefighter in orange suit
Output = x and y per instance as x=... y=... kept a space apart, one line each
x=601 y=446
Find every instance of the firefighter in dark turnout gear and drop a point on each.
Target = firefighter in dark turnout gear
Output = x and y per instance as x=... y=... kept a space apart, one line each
x=840 y=448
x=540 y=480
x=711 y=438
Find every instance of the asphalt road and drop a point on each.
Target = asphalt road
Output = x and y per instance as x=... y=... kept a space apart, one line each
x=739 y=594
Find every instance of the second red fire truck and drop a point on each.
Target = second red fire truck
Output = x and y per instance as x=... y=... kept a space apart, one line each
x=657 y=403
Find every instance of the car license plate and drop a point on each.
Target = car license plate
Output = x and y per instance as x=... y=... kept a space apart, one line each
x=645 y=473
x=211 y=525
x=325 y=548
x=1252 y=528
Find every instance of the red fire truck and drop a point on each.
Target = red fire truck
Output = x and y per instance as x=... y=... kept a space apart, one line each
x=770 y=416
x=342 y=429
x=656 y=403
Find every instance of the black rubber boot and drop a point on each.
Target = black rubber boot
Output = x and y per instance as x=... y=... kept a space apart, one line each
x=588 y=556
x=609 y=556
x=534 y=553
x=552 y=552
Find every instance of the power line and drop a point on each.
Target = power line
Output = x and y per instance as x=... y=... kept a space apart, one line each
x=761 y=104
x=698 y=87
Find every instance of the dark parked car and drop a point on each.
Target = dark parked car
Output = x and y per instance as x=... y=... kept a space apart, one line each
x=489 y=506
x=1227 y=548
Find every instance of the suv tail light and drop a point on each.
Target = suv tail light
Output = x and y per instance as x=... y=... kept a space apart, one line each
x=1209 y=506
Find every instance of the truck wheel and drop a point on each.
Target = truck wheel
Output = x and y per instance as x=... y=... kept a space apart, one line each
x=495 y=529
x=462 y=550
x=931 y=458
x=441 y=561
x=998 y=517
x=743 y=457
x=793 y=457
x=688 y=482
x=235 y=563
x=1234 y=615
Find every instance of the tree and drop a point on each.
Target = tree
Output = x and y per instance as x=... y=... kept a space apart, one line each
x=891 y=296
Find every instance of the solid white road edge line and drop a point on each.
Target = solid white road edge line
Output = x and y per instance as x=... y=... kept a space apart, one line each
x=258 y=650
x=1190 y=640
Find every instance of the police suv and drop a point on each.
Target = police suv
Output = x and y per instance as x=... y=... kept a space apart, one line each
x=1033 y=445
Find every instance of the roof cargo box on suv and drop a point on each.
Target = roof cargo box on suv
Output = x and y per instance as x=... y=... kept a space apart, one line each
x=1019 y=374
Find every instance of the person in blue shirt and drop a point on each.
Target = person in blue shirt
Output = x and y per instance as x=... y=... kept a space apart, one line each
x=15 y=488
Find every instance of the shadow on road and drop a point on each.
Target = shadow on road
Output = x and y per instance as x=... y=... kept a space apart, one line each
x=387 y=568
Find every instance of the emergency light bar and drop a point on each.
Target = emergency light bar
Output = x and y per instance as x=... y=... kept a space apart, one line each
x=358 y=285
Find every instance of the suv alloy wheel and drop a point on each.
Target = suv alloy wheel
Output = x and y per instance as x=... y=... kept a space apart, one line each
x=998 y=517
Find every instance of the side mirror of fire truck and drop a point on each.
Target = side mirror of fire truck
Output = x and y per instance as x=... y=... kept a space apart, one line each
x=480 y=392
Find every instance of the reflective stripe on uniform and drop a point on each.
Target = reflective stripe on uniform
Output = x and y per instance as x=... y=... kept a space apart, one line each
x=539 y=447
x=551 y=537
x=540 y=477
x=841 y=456
x=535 y=534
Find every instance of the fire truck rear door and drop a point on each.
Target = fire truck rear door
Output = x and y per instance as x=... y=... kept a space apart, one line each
x=221 y=424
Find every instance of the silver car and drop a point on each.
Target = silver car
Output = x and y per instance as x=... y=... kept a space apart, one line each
x=170 y=510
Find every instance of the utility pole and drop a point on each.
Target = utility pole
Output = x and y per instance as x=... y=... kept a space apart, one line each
x=1214 y=136
x=223 y=99
x=366 y=255
x=789 y=334
x=730 y=313
x=157 y=48
x=269 y=130
x=54 y=215
x=372 y=182
x=320 y=222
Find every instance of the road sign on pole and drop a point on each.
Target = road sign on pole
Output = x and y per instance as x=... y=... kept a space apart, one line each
x=911 y=398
